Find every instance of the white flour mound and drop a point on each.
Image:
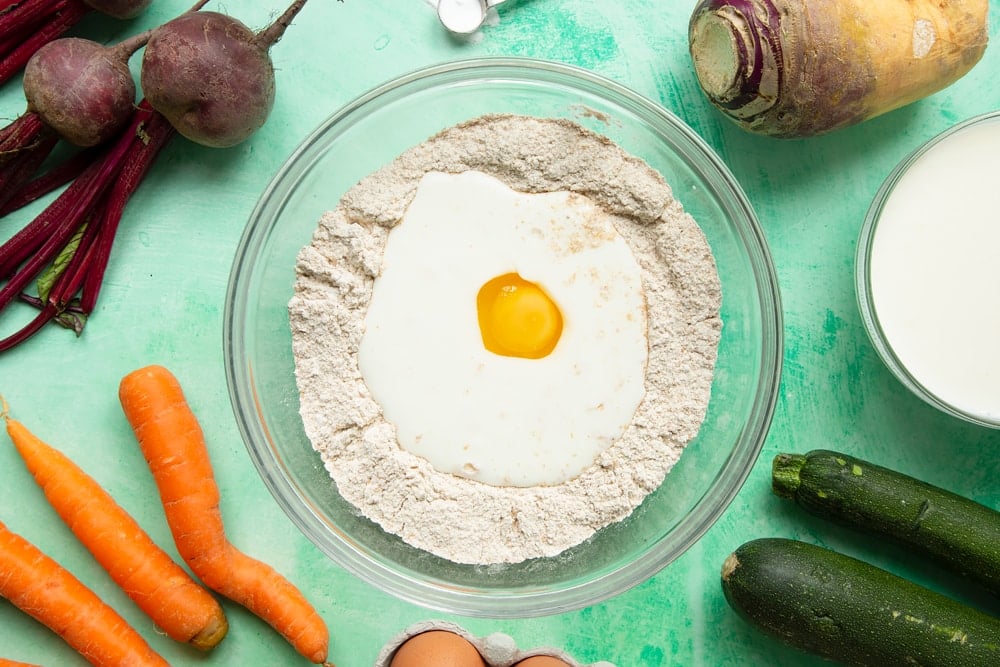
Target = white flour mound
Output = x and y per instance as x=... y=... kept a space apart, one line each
x=459 y=519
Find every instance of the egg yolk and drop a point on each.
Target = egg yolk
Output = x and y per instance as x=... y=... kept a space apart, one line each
x=517 y=318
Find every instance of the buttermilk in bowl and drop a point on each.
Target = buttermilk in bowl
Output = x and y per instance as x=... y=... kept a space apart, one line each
x=505 y=338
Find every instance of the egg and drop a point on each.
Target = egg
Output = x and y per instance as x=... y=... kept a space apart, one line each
x=437 y=648
x=517 y=318
x=505 y=337
x=542 y=661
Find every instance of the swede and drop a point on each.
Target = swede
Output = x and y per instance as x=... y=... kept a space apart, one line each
x=211 y=76
x=798 y=68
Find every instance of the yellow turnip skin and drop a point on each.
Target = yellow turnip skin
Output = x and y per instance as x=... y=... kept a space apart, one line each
x=798 y=68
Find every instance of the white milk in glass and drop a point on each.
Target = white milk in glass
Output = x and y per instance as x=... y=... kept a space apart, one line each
x=935 y=270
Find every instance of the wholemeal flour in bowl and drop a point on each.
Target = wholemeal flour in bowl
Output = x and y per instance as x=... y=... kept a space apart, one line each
x=455 y=516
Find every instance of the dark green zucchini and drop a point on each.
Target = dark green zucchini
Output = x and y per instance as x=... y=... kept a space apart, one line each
x=956 y=532
x=846 y=610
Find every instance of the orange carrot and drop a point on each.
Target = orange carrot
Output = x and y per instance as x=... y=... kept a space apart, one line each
x=49 y=593
x=174 y=446
x=4 y=662
x=180 y=607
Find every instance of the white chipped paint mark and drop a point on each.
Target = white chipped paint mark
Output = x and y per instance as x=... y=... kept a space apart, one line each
x=923 y=37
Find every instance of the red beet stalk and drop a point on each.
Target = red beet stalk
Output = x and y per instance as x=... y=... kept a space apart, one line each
x=24 y=145
x=71 y=239
x=76 y=90
x=36 y=187
x=27 y=26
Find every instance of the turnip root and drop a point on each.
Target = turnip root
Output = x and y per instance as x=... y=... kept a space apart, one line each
x=798 y=68
x=211 y=76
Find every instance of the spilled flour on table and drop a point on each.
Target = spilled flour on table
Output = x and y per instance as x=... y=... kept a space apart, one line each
x=460 y=519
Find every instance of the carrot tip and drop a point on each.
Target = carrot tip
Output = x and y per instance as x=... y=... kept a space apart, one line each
x=210 y=637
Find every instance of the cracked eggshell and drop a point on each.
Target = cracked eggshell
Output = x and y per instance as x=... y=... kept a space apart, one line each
x=498 y=649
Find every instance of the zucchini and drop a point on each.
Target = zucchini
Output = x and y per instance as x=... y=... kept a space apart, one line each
x=956 y=532
x=846 y=610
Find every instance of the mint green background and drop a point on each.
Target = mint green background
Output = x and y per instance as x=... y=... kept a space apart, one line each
x=163 y=300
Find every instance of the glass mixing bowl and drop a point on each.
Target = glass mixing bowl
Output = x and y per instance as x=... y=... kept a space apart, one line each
x=373 y=130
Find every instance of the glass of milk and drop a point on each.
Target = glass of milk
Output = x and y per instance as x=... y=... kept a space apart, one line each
x=928 y=271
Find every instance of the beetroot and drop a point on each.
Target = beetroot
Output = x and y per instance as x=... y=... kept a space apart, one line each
x=77 y=90
x=212 y=76
x=81 y=89
x=66 y=248
x=27 y=25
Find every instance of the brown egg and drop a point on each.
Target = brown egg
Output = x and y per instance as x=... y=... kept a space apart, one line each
x=542 y=661
x=437 y=648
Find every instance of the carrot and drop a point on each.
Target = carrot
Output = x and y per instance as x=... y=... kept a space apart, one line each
x=185 y=611
x=4 y=662
x=174 y=446
x=43 y=589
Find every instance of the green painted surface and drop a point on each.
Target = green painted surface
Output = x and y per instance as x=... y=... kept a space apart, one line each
x=163 y=300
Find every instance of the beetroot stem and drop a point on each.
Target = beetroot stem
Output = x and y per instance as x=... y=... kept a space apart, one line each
x=19 y=247
x=43 y=184
x=270 y=35
x=67 y=14
x=127 y=47
x=30 y=12
x=97 y=198
x=14 y=175
x=48 y=250
x=24 y=145
x=30 y=238
x=69 y=281
x=155 y=132
x=47 y=313
x=70 y=210
x=20 y=134
x=72 y=307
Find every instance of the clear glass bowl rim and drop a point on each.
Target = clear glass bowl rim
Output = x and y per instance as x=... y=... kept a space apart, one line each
x=520 y=604
x=862 y=276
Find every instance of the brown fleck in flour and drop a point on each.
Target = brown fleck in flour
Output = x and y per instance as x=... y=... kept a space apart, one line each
x=459 y=519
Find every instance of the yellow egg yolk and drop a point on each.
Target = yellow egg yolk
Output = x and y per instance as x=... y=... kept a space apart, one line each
x=517 y=318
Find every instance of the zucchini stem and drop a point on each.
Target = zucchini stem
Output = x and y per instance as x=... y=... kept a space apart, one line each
x=785 y=474
x=729 y=566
